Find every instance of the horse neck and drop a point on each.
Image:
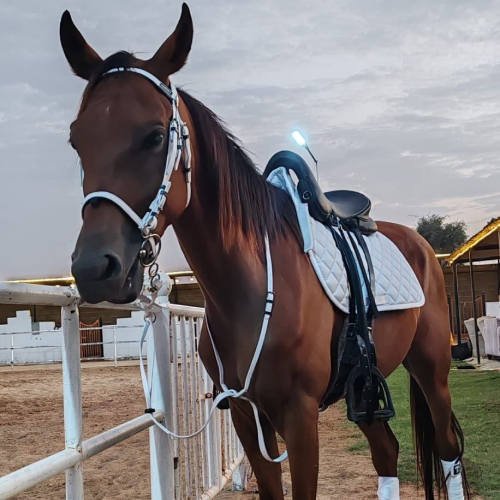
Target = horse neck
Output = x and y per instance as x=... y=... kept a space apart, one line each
x=232 y=279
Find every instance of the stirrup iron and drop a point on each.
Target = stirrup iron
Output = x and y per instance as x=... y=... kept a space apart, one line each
x=362 y=407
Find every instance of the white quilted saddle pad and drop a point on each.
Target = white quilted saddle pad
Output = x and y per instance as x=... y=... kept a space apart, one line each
x=396 y=285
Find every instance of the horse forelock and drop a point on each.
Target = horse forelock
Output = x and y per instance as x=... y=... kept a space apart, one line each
x=122 y=59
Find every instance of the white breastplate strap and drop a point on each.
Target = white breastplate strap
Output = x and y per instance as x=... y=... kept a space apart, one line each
x=227 y=393
x=179 y=144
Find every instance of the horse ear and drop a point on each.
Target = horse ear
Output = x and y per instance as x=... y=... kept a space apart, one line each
x=82 y=58
x=172 y=55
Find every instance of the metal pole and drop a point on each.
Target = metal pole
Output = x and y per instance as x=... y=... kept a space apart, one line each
x=114 y=344
x=498 y=275
x=450 y=313
x=315 y=161
x=474 y=306
x=12 y=352
x=483 y=303
x=72 y=390
x=185 y=414
x=458 y=324
x=161 y=447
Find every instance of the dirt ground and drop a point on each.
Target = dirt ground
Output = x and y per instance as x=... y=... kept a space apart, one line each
x=342 y=475
x=31 y=427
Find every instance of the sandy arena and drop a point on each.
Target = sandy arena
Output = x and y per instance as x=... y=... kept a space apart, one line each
x=31 y=427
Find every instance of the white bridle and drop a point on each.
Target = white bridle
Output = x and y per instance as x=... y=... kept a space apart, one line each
x=179 y=144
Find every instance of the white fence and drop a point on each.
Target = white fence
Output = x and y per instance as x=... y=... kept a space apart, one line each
x=23 y=341
x=181 y=395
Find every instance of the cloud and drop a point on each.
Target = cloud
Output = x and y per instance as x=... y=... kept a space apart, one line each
x=400 y=100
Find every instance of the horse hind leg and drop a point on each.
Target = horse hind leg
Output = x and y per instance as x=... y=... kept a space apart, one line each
x=384 y=449
x=438 y=436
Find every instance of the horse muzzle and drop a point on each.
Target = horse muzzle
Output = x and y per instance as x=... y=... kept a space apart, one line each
x=104 y=277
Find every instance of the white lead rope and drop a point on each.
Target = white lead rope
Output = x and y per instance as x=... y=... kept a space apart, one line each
x=227 y=393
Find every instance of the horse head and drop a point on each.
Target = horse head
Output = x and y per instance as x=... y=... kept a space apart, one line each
x=124 y=138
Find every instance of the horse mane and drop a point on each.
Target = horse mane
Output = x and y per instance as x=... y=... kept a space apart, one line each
x=248 y=206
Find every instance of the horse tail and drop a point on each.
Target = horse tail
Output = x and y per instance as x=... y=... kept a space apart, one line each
x=428 y=461
x=423 y=438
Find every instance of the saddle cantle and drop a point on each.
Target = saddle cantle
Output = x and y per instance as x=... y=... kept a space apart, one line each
x=351 y=207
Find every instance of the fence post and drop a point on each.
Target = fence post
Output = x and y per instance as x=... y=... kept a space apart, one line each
x=239 y=477
x=114 y=345
x=160 y=445
x=72 y=396
x=12 y=352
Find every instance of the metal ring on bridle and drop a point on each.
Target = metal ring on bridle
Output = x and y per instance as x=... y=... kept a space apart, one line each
x=150 y=251
x=153 y=270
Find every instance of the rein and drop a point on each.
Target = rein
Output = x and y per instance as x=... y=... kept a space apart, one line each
x=179 y=145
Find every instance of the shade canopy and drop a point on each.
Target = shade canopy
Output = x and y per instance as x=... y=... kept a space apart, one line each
x=483 y=246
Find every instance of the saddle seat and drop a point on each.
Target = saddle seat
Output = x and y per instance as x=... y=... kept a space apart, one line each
x=351 y=207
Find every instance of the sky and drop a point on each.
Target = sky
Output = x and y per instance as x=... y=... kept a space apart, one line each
x=399 y=99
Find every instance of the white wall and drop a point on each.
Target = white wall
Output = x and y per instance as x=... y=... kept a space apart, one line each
x=35 y=346
x=493 y=309
x=42 y=342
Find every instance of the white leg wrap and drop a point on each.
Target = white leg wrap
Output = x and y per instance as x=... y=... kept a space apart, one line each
x=388 y=488
x=453 y=473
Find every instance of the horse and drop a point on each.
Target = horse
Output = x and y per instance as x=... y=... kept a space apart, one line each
x=121 y=136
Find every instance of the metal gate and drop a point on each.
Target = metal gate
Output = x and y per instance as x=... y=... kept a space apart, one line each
x=91 y=345
x=180 y=392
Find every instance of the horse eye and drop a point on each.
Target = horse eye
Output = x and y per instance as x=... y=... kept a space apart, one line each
x=154 y=139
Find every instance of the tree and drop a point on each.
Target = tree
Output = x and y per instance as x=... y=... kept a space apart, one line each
x=444 y=237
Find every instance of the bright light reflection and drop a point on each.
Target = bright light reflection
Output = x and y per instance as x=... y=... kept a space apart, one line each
x=299 y=139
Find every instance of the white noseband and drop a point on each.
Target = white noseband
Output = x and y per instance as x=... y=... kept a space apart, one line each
x=179 y=144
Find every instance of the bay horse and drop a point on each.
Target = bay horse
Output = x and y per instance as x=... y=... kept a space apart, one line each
x=120 y=134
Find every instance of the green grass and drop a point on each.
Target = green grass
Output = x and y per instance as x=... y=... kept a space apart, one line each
x=476 y=402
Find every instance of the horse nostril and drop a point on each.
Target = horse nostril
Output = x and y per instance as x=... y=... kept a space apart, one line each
x=93 y=268
x=113 y=267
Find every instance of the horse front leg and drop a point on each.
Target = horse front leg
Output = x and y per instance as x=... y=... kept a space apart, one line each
x=268 y=474
x=300 y=432
x=384 y=448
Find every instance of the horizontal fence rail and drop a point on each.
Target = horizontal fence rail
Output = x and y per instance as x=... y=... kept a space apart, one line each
x=182 y=395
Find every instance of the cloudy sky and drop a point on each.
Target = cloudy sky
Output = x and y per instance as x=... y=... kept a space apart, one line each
x=400 y=99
